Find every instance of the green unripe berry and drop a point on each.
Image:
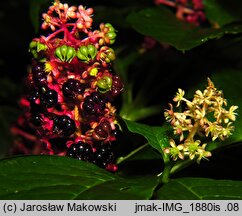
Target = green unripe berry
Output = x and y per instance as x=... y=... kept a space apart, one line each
x=34 y=53
x=81 y=56
x=108 y=55
x=41 y=47
x=58 y=54
x=35 y=47
x=32 y=44
x=63 y=50
x=82 y=53
x=84 y=50
x=71 y=53
x=111 y=35
x=85 y=53
x=92 y=51
x=111 y=54
x=109 y=25
x=112 y=41
x=107 y=60
x=65 y=53
x=104 y=84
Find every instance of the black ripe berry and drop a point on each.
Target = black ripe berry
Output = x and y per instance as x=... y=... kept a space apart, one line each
x=36 y=119
x=34 y=95
x=103 y=129
x=64 y=125
x=39 y=75
x=117 y=86
x=94 y=104
x=72 y=88
x=103 y=156
x=81 y=151
x=49 y=98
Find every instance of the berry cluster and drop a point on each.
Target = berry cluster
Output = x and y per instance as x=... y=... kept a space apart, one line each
x=191 y=11
x=101 y=156
x=70 y=89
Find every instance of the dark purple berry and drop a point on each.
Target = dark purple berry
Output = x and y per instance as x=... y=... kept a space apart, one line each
x=36 y=119
x=39 y=75
x=100 y=133
x=103 y=129
x=34 y=95
x=64 y=125
x=103 y=156
x=94 y=104
x=117 y=83
x=49 y=98
x=117 y=86
x=81 y=151
x=72 y=87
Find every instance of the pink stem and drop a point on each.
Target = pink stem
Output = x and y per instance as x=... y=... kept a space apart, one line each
x=28 y=136
x=54 y=34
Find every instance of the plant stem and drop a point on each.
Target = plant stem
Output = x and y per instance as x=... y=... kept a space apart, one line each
x=164 y=177
x=24 y=134
x=122 y=159
x=193 y=131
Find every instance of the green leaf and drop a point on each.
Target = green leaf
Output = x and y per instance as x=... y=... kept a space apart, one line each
x=200 y=189
x=156 y=136
x=222 y=12
x=55 y=177
x=161 y=24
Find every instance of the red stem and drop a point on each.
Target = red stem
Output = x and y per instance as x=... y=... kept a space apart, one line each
x=26 y=135
x=54 y=34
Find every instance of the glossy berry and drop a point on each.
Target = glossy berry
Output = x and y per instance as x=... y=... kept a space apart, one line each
x=49 y=98
x=36 y=119
x=117 y=86
x=103 y=130
x=103 y=156
x=64 y=125
x=94 y=104
x=39 y=75
x=72 y=87
x=33 y=96
x=81 y=151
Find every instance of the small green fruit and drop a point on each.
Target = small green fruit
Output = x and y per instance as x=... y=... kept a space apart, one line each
x=71 y=53
x=93 y=72
x=86 y=53
x=65 y=53
x=104 y=84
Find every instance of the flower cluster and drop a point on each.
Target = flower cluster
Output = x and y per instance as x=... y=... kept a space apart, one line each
x=191 y=11
x=71 y=86
x=205 y=116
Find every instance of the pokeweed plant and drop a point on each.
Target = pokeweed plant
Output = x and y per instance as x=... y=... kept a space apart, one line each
x=69 y=109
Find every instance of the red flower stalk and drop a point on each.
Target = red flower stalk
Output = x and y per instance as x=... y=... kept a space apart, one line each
x=68 y=110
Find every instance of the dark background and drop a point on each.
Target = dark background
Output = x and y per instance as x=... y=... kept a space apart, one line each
x=176 y=68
